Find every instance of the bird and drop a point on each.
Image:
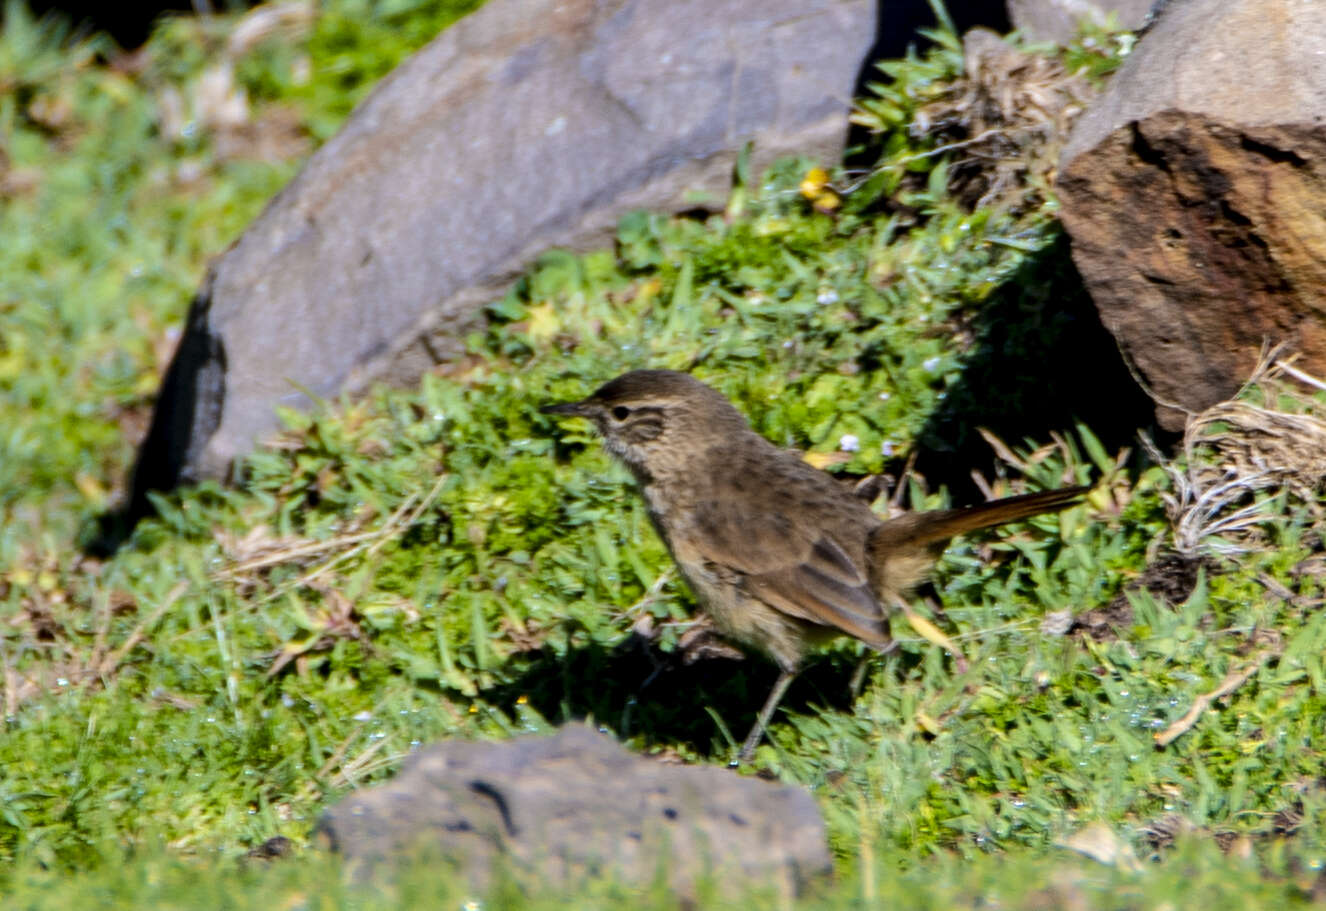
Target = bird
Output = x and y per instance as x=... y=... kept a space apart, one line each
x=781 y=556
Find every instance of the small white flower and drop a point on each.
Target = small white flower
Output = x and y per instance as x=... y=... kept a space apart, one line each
x=363 y=716
x=827 y=297
x=931 y=364
x=886 y=448
x=884 y=396
x=849 y=442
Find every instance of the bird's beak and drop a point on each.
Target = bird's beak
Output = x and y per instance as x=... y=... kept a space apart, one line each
x=583 y=409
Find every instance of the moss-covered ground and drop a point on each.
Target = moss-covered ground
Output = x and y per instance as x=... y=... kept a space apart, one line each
x=444 y=561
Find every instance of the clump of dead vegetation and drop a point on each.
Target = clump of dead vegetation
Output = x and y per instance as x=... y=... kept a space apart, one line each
x=1008 y=117
x=1248 y=459
x=999 y=116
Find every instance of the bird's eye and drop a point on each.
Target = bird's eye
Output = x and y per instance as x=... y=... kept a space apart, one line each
x=621 y=412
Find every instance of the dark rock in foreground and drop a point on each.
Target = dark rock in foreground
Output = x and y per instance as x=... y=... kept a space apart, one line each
x=530 y=124
x=556 y=810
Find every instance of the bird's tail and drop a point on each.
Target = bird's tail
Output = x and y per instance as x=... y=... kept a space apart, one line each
x=901 y=550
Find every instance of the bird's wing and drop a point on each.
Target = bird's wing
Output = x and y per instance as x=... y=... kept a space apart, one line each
x=804 y=573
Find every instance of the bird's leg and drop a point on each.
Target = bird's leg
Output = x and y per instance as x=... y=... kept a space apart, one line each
x=859 y=676
x=762 y=720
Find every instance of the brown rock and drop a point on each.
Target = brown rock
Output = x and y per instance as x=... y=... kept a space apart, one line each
x=1195 y=194
x=1059 y=20
x=528 y=125
x=556 y=810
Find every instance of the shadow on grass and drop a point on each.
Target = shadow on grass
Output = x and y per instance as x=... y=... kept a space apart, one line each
x=635 y=689
x=1040 y=361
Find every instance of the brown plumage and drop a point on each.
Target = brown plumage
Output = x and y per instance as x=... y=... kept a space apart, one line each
x=781 y=555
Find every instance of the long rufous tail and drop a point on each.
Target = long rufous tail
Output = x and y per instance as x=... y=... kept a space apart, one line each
x=902 y=549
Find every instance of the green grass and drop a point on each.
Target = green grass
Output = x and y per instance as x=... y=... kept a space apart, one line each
x=1195 y=874
x=447 y=562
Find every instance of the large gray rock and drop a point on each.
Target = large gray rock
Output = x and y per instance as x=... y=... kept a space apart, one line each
x=1060 y=20
x=555 y=810
x=530 y=124
x=1194 y=191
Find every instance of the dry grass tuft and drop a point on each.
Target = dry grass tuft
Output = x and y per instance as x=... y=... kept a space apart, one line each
x=252 y=554
x=1009 y=115
x=1244 y=455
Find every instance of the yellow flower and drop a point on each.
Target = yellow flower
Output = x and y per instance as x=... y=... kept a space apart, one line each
x=813 y=184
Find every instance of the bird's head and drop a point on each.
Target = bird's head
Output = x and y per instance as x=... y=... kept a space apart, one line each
x=656 y=420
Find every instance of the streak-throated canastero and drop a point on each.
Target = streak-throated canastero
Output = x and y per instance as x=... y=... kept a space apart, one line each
x=781 y=555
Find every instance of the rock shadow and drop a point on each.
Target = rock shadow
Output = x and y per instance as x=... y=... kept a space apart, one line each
x=1041 y=361
x=196 y=376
